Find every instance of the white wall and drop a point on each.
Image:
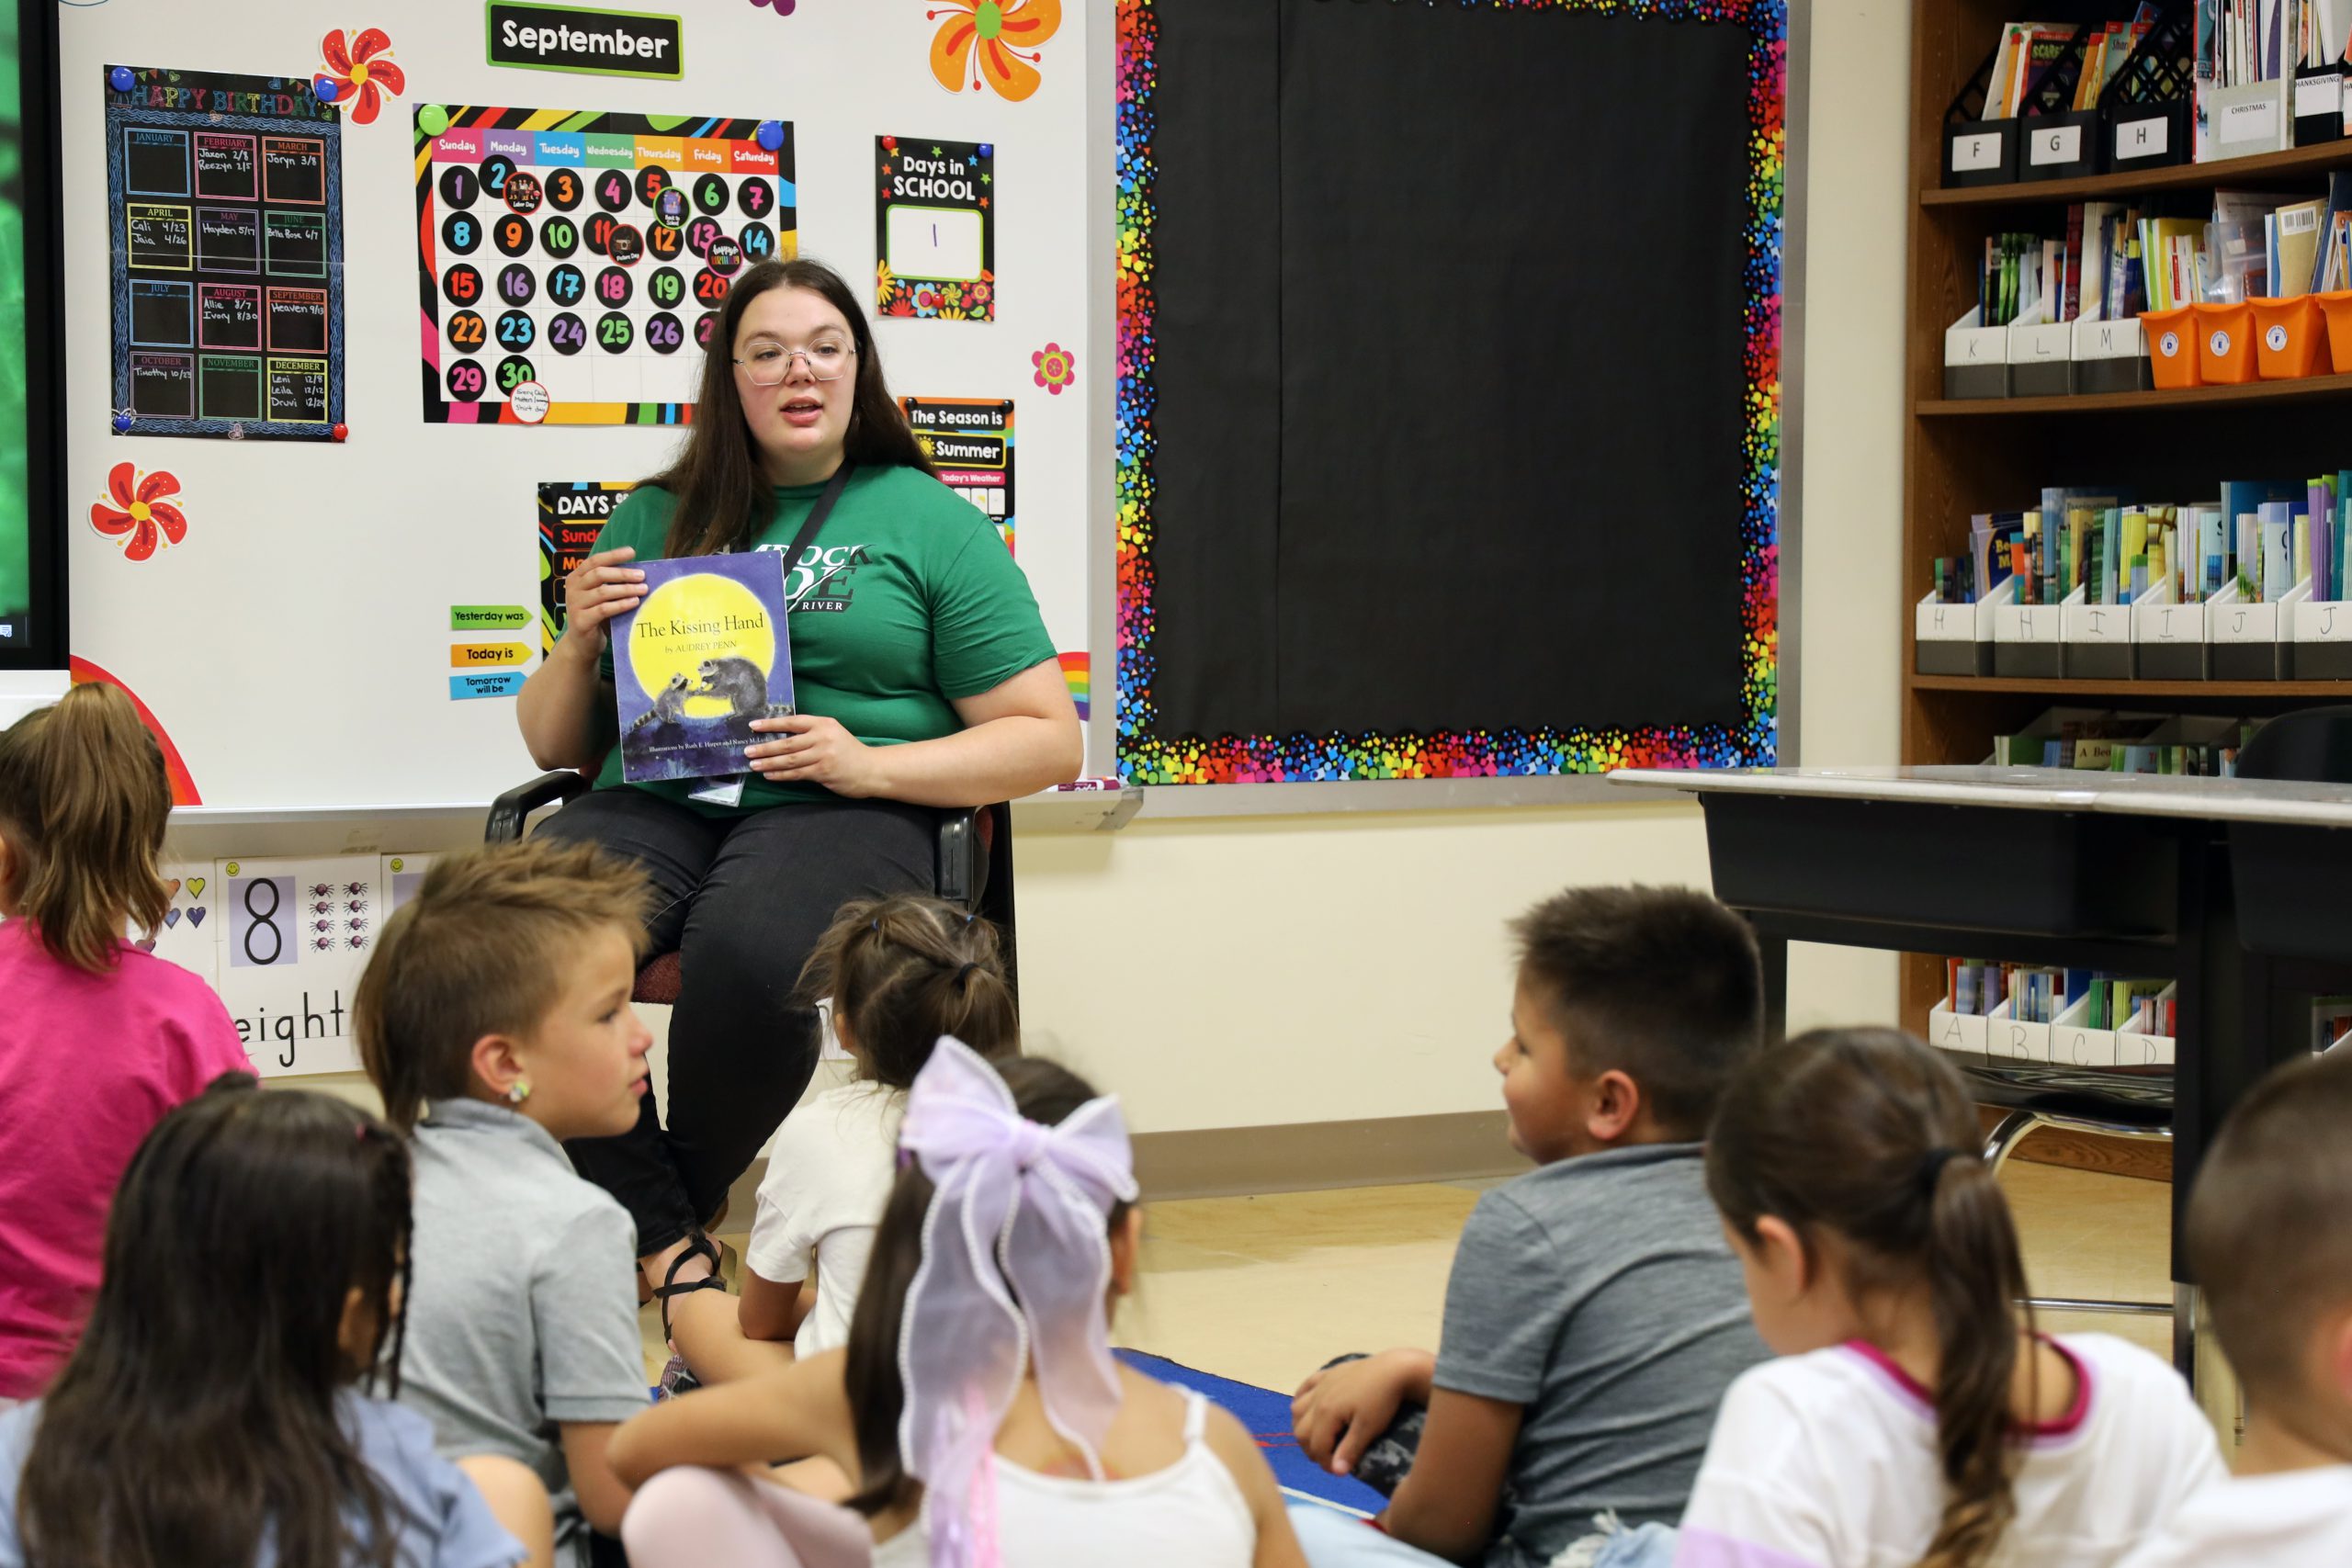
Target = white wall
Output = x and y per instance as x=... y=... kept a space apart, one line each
x=1233 y=972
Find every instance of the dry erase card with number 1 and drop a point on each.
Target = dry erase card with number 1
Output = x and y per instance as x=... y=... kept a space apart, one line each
x=572 y=264
x=294 y=936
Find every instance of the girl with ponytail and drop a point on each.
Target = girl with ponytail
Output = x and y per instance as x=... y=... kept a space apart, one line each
x=97 y=1039
x=901 y=973
x=1916 y=1416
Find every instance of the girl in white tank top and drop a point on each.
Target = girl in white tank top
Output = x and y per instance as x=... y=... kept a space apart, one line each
x=977 y=1409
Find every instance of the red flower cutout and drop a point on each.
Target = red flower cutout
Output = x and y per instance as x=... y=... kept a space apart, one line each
x=362 y=73
x=134 y=513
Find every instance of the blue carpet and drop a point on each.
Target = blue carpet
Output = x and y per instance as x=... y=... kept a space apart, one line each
x=1265 y=1415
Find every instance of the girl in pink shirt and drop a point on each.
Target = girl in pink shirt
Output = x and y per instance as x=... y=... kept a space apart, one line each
x=97 y=1040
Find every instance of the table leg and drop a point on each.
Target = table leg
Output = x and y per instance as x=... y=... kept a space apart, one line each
x=1772 y=954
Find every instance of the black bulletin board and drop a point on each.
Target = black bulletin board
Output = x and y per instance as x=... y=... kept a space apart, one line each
x=1455 y=457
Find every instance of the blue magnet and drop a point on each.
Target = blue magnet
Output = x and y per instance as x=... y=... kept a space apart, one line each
x=988 y=149
x=325 y=89
x=771 y=134
x=121 y=79
x=122 y=425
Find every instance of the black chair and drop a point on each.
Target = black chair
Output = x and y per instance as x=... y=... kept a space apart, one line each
x=2310 y=745
x=973 y=868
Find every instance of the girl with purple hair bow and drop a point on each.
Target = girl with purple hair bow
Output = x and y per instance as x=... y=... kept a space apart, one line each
x=977 y=1411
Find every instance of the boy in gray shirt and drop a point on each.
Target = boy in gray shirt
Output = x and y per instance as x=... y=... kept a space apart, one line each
x=495 y=1019
x=1595 y=1315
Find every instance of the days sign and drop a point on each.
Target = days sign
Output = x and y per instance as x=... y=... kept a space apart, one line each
x=533 y=37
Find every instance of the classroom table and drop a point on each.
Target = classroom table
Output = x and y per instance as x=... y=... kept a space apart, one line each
x=2233 y=887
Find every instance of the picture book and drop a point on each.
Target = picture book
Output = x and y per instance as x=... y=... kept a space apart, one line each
x=704 y=654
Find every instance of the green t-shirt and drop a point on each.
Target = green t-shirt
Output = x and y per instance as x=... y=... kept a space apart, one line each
x=905 y=600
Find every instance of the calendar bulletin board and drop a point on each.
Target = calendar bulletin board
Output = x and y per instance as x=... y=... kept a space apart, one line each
x=367 y=356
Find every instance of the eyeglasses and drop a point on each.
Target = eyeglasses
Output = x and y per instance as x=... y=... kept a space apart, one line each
x=768 y=362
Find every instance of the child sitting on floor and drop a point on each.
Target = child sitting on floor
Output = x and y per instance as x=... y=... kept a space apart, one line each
x=1916 y=1416
x=902 y=972
x=977 y=1409
x=2269 y=1242
x=1594 y=1316
x=494 y=1020
x=253 y=1270
x=97 y=1040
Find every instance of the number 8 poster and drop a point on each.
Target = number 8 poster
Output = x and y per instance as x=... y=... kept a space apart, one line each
x=572 y=264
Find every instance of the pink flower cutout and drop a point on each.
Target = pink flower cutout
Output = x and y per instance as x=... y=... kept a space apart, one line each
x=1057 y=367
x=782 y=7
x=135 y=515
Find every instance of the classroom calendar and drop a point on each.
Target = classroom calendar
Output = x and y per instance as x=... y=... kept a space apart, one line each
x=574 y=264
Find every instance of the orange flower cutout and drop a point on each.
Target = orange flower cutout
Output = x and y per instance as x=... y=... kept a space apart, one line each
x=977 y=44
x=135 y=514
x=361 y=74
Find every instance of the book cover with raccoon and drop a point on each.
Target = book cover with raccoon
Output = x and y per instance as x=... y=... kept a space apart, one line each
x=704 y=654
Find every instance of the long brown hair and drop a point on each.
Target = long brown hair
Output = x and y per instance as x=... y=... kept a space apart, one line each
x=1870 y=1134
x=723 y=494
x=904 y=970
x=84 y=801
x=198 y=1416
x=1043 y=1092
x=482 y=949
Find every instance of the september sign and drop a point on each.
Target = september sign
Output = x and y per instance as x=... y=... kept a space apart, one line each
x=589 y=41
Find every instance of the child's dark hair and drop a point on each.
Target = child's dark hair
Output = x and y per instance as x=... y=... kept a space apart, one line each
x=1659 y=983
x=198 y=1416
x=904 y=970
x=481 y=950
x=1870 y=1134
x=2266 y=1234
x=84 y=801
x=1043 y=1092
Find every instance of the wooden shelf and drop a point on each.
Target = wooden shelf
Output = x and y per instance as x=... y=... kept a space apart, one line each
x=1997 y=684
x=2310 y=388
x=2264 y=168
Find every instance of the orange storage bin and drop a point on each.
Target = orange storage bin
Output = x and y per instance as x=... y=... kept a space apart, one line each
x=2225 y=344
x=2289 y=339
x=2336 y=311
x=2172 y=346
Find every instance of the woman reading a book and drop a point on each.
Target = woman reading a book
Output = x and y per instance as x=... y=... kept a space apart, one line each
x=922 y=678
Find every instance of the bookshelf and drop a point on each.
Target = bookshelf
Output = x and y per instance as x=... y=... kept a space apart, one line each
x=1967 y=457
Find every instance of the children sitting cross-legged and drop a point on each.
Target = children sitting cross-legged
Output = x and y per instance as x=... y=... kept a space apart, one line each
x=1594 y=1316
x=2268 y=1239
x=208 y=1417
x=495 y=1019
x=976 y=1408
x=902 y=972
x=1915 y=1417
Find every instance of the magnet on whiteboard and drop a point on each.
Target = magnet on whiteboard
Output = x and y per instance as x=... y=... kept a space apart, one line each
x=988 y=149
x=325 y=89
x=342 y=433
x=121 y=79
x=771 y=134
x=432 y=119
x=122 y=425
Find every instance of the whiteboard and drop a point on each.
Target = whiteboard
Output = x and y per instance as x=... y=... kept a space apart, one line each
x=297 y=646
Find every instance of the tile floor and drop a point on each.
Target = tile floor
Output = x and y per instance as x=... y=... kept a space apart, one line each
x=1264 y=1290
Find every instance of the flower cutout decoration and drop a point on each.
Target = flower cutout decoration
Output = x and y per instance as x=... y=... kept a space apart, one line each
x=782 y=7
x=362 y=72
x=981 y=42
x=134 y=513
x=1057 y=367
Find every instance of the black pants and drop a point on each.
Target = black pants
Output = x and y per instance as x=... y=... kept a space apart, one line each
x=743 y=900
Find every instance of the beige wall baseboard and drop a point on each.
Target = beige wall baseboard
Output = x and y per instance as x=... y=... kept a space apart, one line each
x=1305 y=1157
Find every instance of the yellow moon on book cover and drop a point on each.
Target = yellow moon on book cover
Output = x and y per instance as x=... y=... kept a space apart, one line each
x=737 y=626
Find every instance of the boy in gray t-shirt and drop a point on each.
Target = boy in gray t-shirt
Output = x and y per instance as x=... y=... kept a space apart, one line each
x=494 y=1020
x=1595 y=1315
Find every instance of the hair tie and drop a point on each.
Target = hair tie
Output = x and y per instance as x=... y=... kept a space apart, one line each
x=964 y=974
x=1932 y=1169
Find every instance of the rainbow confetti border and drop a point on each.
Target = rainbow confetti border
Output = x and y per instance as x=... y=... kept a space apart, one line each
x=1147 y=758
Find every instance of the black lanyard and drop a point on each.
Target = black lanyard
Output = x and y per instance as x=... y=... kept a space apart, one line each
x=816 y=515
